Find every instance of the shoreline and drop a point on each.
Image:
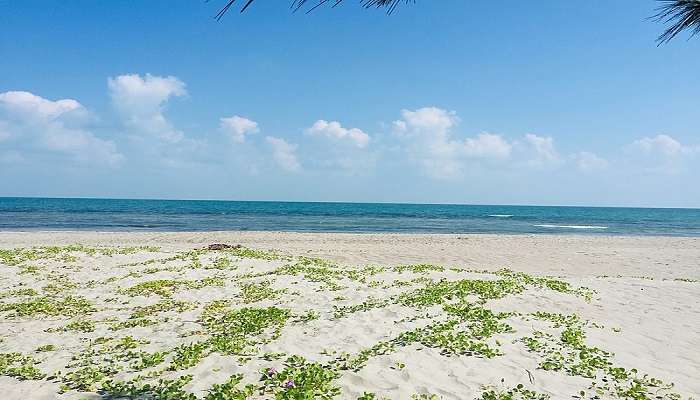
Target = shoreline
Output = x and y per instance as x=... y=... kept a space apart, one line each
x=300 y=232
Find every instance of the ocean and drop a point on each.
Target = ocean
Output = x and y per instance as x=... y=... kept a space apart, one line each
x=31 y=214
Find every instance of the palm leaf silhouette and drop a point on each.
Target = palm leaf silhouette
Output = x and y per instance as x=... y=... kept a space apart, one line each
x=390 y=5
x=681 y=14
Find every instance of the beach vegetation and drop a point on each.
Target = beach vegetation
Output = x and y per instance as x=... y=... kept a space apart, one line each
x=244 y=252
x=425 y=396
x=69 y=306
x=232 y=331
x=162 y=306
x=24 y=292
x=132 y=323
x=84 y=326
x=221 y=263
x=59 y=284
x=188 y=355
x=15 y=257
x=361 y=274
x=230 y=390
x=418 y=268
x=87 y=378
x=164 y=389
x=300 y=379
x=519 y=392
x=258 y=291
x=45 y=348
x=144 y=360
x=428 y=307
x=316 y=270
x=568 y=352
x=167 y=287
x=19 y=366
x=308 y=316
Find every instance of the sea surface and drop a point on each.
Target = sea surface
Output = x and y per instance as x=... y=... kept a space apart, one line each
x=29 y=214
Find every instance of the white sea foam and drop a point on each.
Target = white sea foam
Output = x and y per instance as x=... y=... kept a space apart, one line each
x=570 y=226
x=500 y=215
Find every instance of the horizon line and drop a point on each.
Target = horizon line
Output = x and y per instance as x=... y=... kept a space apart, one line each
x=349 y=202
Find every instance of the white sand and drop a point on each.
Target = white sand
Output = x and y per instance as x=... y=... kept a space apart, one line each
x=583 y=256
x=643 y=312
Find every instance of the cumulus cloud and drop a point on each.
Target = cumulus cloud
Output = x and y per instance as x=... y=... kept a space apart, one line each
x=141 y=101
x=430 y=120
x=238 y=127
x=661 y=153
x=25 y=104
x=427 y=135
x=284 y=153
x=33 y=123
x=487 y=145
x=589 y=162
x=334 y=130
x=544 y=152
x=663 y=145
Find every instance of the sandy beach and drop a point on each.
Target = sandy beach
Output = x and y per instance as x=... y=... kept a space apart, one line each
x=564 y=255
x=349 y=200
x=89 y=315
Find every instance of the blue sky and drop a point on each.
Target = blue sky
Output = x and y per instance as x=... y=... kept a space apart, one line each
x=546 y=102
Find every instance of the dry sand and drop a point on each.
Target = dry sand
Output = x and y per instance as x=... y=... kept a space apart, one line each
x=644 y=310
x=581 y=256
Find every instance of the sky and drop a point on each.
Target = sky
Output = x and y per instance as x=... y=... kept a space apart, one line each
x=469 y=102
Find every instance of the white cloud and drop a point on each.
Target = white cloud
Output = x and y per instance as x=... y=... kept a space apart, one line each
x=662 y=145
x=334 y=130
x=141 y=102
x=25 y=104
x=431 y=120
x=589 y=162
x=238 y=127
x=661 y=153
x=33 y=123
x=284 y=153
x=487 y=145
x=427 y=134
x=543 y=148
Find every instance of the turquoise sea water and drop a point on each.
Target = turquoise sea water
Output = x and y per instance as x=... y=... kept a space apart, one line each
x=190 y=215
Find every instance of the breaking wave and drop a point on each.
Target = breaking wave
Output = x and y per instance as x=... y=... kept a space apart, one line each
x=570 y=226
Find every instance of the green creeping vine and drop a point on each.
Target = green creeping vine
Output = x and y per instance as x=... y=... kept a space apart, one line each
x=69 y=306
x=16 y=257
x=451 y=315
x=236 y=331
x=569 y=353
x=162 y=306
x=165 y=389
x=439 y=292
x=517 y=393
x=19 y=366
x=166 y=287
x=300 y=380
x=45 y=348
x=464 y=333
x=315 y=270
x=254 y=292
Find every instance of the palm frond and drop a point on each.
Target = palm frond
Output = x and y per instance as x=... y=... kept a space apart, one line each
x=390 y=5
x=681 y=14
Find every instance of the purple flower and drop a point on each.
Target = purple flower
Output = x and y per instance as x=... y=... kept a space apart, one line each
x=289 y=384
x=271 y=371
